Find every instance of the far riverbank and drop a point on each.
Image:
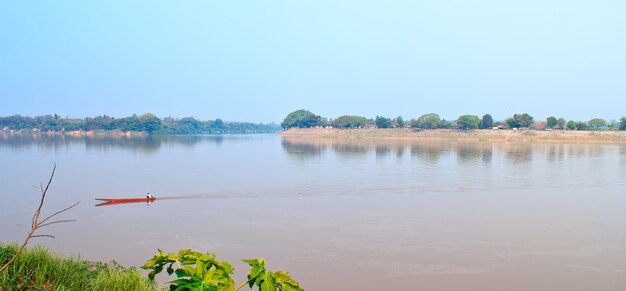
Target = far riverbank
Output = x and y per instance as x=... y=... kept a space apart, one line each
x=555 y=136
x=73 y=133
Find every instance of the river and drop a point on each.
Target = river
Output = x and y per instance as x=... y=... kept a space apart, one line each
x=336 y=214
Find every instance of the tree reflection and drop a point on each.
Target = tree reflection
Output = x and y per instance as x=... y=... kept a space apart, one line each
x=519 y=153
x=487 y=154
x=469 y=153
x=427 y=152
x=382 y=151
x=144 y=144
x=303 y=150
x=346 y=150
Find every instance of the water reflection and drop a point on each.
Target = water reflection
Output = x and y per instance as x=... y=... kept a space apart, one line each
x=382 y=152
x=622 y=154
x=431 y=152
x=469 y=154
x=303 y=150
x=144 y=144
x=518 y=153
x=427 y=152
x=449 y=165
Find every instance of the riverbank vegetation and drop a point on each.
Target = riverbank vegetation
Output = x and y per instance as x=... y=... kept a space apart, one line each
x=148 y=123
x=39 y=269
x=306 y=119
x=198 y=271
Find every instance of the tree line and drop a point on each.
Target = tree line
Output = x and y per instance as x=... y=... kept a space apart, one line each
x=305 y=119
x=148 y=122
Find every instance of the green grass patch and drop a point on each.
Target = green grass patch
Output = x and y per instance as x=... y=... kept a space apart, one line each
x=39 y=269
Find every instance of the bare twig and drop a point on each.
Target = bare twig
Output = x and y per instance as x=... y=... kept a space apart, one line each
x=36 y=224
x=43 y=235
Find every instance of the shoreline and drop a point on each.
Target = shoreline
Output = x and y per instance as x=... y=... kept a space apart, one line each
x=476 y=135
x=74 y=133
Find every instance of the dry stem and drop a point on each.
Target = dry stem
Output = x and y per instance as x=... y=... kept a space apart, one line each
x=37 y=224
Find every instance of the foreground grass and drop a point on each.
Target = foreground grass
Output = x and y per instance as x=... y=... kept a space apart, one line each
x=39 y=269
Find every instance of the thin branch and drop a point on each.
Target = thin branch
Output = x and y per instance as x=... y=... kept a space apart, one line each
x=43 y=197
x=55 y=222
x=43 y=235
x=58 y=212
x=36 y=224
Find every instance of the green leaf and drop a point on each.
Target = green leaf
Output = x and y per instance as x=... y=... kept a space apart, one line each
x=200 y=268
x=158 y=269
x=226 y=267
x=268 y=283
x=180 y=282
x=150 y=263
x=189 y=270
x=285 y=283
x=181 y=273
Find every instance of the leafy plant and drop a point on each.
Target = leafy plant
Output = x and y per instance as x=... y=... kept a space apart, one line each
x=268 y=281
x=198 y=271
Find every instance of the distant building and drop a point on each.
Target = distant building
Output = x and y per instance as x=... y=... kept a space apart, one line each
x=540 y=126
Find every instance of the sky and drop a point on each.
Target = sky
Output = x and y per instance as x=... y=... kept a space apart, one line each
x=257 y=61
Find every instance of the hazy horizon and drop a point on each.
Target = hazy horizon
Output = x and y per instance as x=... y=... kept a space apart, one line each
x=256 y=62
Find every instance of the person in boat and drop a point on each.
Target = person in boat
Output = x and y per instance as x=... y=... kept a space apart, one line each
x=150 y=196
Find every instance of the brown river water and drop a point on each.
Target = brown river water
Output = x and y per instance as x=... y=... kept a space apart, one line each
x=337 y=214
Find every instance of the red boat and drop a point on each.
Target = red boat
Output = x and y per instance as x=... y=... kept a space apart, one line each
x=127 y=200
x=112 y=201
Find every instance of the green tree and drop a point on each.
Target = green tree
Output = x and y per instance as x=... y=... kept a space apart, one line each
x=551 y=122
x=49 y=122
x=581 y=125
x=520 y=120
x=622 y=123
x=430 y=120
x=486 y=122
x=190 y=125
x=383 y=122
x=468 y=121
x=561 y=123
x=571 y=125
x=18 y=122
x=349 y=121
x=596 y=123
x=523 y=120
x=301 y=118
x=218 y=123
x=400 y=121
x=151 y=123
x=128 y=124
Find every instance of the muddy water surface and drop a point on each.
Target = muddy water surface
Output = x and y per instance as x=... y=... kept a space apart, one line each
x=338 y=214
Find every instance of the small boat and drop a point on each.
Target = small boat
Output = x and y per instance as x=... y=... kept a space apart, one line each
x=112 y=201
x=127 y=200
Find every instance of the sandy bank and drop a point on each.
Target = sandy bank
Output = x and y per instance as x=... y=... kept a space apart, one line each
x=462 y=135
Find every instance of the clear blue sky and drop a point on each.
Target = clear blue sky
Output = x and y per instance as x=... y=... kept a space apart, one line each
x=259 y=60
